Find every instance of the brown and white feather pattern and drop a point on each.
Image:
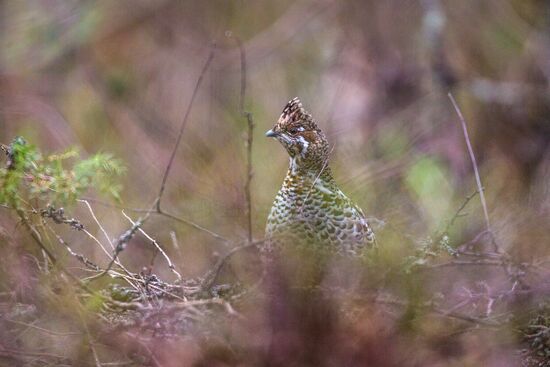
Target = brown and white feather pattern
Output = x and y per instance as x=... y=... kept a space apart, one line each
x=310 y=208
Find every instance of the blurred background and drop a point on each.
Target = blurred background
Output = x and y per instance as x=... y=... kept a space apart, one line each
x=117 y=76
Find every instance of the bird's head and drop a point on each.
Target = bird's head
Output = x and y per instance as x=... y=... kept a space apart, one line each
x=305 y=143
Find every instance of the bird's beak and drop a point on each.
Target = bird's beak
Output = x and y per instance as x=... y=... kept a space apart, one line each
x=271 y=134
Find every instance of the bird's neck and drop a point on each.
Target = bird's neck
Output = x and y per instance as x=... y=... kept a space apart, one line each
x=308 y=171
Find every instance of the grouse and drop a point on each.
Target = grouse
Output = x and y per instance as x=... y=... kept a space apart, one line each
x=310 y=208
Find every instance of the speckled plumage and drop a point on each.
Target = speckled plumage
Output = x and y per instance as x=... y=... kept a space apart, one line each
x=310 y=208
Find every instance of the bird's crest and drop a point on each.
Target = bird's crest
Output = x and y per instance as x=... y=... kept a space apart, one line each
x=294 y=112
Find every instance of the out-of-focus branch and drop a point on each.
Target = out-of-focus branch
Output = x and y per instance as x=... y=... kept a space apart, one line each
x=164 y=214
x=157 y=203
x=458 y=212
x=38 y=240
x=5 y=352
x=158 y=210
x=249 y=172
x=513 y=272
x=43 y=330
x=182 y=128
x=84 y=260
x=194 y=225
x=429 y=306
x=474 y=164
x=249 y=137
x=480 y=262
x=212 y=275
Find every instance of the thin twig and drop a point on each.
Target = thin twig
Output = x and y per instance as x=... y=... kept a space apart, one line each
x=94 y=238
x=38 y=240
x=249 y=173
x=47 y=331
x=84 y=260
x=29 y=354
x=463 y=317
x=194 y=225
x=249 y=137
x=120 y=246
x=182 y=128
x=164 y=214
x=513 y=276
x=117 y=262
x=464 y=263
x=459 y=316
x=98 y=223
x=459 y=212
x=138 y=306
x=242 y=54
x=474 y=164
x=212 y=275
x=35 y=235
x=429 y=306
x=166 y=257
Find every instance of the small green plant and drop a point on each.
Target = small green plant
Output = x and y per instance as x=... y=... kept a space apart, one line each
x=52 y=179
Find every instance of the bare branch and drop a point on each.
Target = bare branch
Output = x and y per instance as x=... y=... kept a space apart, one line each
x=38 y=240
x=117 y=262
x=182 y=128
x=512 y=270
x=164 y=214
x=166 y=257
x=249 y=137
x=28 y=354
x=249 y=173
x=47 y=331
x=212 y=275
x=459 y=212
x=84 y=260
x=465 y=263
x=429 y=306
x=120 y=246
x=98 y=223
x=474 y=164
x=194 y=225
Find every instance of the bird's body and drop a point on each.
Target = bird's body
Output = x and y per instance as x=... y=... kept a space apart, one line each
x=310 y=209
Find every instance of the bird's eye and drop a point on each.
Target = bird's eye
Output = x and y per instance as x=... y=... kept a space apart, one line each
x=295 y=130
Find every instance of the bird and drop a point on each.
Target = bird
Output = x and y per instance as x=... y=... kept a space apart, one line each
x=310 y=209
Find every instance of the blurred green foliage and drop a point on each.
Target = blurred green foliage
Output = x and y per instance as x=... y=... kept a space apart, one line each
x=428 y=181
x=31 y=175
